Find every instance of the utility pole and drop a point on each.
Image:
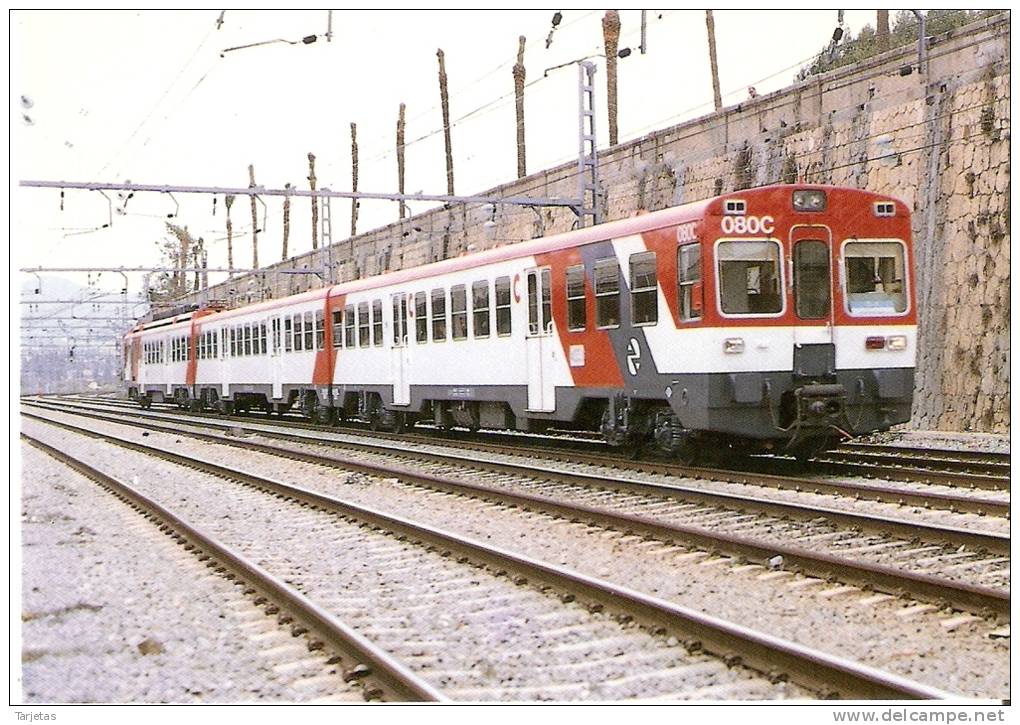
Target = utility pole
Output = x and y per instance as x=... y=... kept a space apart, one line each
x=710 y=23
x=286 y=221
x=205 y=265
x=228 y=201
x=611 y=36
x=315 y=202
x=519 y=74
x=354 y=178
x=882 y=30
x=400 y=159
x=445 y=100
x=196 y=262
x=254 y=220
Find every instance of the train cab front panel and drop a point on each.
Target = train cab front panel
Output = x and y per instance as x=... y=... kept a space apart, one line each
x=796 y=316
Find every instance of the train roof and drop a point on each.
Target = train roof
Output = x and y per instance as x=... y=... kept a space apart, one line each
x=641 y=222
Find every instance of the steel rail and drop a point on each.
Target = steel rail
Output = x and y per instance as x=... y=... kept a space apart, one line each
x=604 y=456
x=819 y=671
x=908 y=461
x=902 y=527
x=923 y=587
x=395 y=679
x=937 y=454
x=883 y=494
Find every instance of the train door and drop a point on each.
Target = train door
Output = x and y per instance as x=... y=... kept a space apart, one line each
x=812 y=278
x=400 y=354
x=276 y=355
x=226 y=355
x=540 y=342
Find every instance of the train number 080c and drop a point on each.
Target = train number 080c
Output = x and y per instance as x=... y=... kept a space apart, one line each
x=748 y=225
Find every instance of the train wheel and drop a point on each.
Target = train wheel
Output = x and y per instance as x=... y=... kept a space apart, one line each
x=145 y=402
x=196 y=406
x=687 y=453
x=399 y=423
x=325 y=416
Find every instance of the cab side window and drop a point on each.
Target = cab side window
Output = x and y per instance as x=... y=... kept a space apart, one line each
x=689 y=281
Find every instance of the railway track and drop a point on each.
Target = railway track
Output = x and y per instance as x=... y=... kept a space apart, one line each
x=419 y=583
x=860 y=552
x=967 y=469
x=598 y=455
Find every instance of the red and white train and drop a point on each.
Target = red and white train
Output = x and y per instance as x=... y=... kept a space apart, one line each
x=777 y=317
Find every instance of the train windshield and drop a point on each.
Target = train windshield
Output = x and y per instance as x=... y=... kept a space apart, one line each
x=875 y=278
x=749 y=277
x=811 y=279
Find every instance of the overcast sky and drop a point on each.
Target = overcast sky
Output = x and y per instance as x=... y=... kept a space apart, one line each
x=147 y=97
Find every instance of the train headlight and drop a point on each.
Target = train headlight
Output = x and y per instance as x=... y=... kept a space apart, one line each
x=896 y=342
x=733 y=345
x=809 y=200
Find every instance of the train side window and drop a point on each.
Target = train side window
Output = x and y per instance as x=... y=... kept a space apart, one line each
x=480 y=308
x=458 y=312
x=247 y=340
x=688 y=278
x=607 y=293
x=644 y=289
x=262 y=327
x=377 y=323
x=309 y=331
x=338 y=328
x=288 y=334
x=299 y=334
x=547 y=319
x=215 y=345
x=320 y=329
x=349 y=326
x=577 y=317
x=199 y=346
x=364 y=327
x=438 y=315
x=421 y=318
x=749 y=277
x=504 y=321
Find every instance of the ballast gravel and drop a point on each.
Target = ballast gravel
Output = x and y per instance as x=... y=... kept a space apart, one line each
x=942 y=648
x=115 y=611
x=475 y=634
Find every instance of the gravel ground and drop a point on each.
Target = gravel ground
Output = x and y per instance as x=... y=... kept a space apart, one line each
x=114 y=611
x=950 y=441
x=942 y=648
x=478 y=635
